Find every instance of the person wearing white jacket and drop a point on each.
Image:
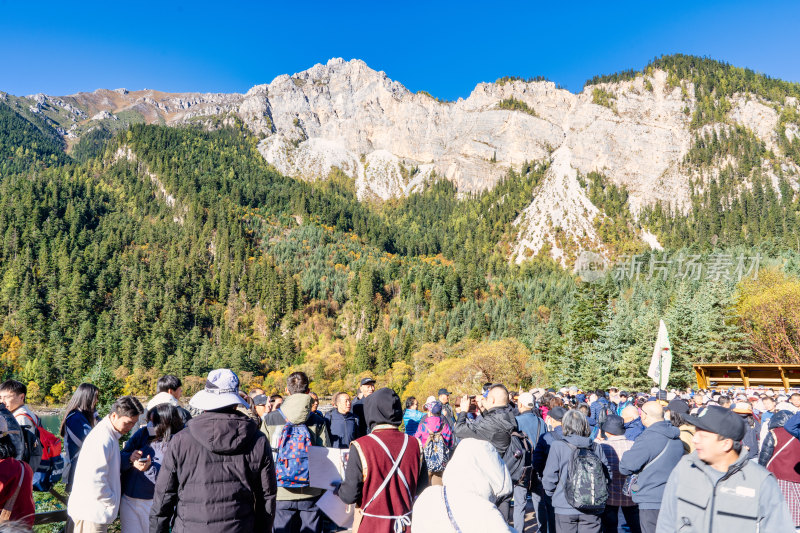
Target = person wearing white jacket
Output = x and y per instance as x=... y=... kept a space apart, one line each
x=474 y=479
x=97 y=488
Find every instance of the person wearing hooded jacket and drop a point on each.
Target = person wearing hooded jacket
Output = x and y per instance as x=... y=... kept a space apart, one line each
x=218 y=474
x=556 y=472
x=793 y=425
x=653 y=456
x=296 y=508
x=475 y=478
x=384 y=494
x=778 y=420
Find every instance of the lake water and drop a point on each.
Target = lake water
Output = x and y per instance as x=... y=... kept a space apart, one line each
x=51 y=422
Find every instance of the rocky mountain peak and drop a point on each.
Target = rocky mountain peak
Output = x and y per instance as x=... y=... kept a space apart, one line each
x=635 y=130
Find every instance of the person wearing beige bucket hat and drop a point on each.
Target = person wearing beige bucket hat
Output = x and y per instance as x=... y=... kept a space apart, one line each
x=750 y=440
x=209 y=466
x=221 y=390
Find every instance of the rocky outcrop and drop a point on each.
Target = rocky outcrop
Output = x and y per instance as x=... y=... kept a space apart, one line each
x=124 y=153
x=390 y=141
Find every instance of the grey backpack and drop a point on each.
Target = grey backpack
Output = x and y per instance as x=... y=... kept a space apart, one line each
x=586 y=486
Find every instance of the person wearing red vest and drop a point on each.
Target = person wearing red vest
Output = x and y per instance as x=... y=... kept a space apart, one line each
x=385 y=470
x=780 y=455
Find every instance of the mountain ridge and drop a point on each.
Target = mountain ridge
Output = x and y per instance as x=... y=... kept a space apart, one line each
x=635 y=128
x=166 y=249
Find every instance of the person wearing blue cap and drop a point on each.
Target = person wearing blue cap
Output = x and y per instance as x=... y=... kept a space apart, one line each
x=716 y=489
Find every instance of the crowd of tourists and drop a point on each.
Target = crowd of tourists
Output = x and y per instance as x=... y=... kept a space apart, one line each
x=541 y=460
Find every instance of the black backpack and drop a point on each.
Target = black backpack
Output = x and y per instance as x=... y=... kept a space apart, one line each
x=586 y=486
x=32 y=446
x=519 y=459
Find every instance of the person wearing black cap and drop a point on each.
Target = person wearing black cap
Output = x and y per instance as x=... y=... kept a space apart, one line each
x=614 y=447
x=447 y=411
x=366 y=388
x=676 y=411
x=542 y=448
x=717 y=489
x=260 y=402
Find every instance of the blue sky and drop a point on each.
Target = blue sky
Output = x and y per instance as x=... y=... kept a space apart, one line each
x=444 y=48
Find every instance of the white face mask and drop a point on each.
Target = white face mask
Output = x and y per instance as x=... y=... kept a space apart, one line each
x=151 y=430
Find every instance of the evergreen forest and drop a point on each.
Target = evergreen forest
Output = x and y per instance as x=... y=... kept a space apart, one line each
x=158 y=249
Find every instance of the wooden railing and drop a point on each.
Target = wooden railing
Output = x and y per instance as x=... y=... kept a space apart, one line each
x=52 y=517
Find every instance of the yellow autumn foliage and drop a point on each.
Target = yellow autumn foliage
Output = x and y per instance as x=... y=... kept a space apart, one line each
x=466 y=366
x=769 y=311
x=10 y=346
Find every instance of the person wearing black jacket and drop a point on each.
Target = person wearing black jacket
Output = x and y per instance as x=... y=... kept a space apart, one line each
x=547 y=519
x=495 y=425
x=218 y=474
x=342 y=424
x=366 y=388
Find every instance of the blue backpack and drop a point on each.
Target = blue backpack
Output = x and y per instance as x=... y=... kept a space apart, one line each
x=291 y=466
x=436 y=453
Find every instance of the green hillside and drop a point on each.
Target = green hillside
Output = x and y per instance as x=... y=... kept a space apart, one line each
x=27 y=140
x=193 y=253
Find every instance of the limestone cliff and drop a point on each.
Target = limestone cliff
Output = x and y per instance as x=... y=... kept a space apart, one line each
x=391 y=141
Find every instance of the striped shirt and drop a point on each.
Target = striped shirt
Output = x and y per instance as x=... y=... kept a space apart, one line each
x=614 y=447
